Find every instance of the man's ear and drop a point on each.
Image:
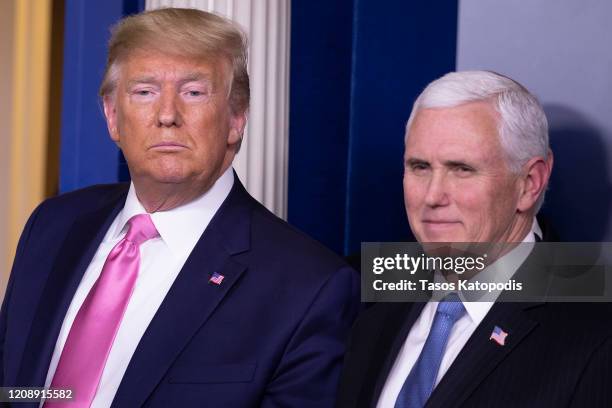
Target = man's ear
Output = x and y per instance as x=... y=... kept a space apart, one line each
x=534 y=181
x=237 y=124
x=110 y=111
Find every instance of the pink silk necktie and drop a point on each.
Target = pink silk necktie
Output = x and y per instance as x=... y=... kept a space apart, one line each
x=94 y=328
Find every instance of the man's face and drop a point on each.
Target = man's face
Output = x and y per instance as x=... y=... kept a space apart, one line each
x=171 y=118
x=457 y=187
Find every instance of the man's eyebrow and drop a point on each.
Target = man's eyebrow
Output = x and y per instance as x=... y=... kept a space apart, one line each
x=196 y=76
x=456 y=163
x=413 y=160
x=142 y=80
x=185 y=79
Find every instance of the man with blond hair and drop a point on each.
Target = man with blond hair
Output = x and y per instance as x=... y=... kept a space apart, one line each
x=178 y=289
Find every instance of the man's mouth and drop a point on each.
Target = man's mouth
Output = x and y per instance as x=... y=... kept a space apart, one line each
x=440 y=224
x=168 y=147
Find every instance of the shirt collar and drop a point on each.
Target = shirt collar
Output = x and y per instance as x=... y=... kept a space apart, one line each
x=181 y=227
x=505 y=267
x=501 y=270
x=535 y=228
x=477 y=310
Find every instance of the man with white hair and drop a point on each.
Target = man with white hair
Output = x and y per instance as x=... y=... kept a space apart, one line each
x=477 y=164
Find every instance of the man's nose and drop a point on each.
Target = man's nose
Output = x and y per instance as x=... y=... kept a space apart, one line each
x=437 y=190
x=168 y=114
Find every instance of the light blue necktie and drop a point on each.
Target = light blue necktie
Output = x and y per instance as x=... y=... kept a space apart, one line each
x=420 y=382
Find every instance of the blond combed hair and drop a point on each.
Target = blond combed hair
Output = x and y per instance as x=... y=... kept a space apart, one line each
x=184 y=32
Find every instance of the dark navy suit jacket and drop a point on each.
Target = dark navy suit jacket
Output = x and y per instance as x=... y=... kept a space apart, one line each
x=272 y=334
x=556 y=355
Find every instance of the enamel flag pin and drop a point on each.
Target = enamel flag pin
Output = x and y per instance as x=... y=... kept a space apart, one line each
x=499 y=336
x=216 y=278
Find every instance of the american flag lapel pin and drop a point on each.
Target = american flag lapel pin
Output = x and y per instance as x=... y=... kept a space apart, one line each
x=216 y=278
x=499 y=336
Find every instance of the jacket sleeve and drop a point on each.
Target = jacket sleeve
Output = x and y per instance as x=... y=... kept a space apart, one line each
x=310 y=368
x=5 y=312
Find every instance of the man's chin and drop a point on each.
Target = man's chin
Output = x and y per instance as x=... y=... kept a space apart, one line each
x=436 y=235
x=164 y=178
x=173 y=180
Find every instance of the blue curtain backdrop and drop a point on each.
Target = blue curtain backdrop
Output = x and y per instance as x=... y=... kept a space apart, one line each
x=356 y=68
x=87 y=154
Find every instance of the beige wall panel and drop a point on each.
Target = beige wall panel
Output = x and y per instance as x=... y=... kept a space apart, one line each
x=6 y=71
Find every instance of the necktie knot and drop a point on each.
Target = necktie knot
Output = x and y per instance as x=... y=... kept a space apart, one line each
x=451 y=307
x=141 y=229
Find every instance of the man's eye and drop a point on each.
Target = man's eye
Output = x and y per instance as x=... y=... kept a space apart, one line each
x=464 y=170
x=418 y=166
x=142 y=92
x=195 y=93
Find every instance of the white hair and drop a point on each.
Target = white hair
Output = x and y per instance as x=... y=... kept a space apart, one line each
x=522 y=128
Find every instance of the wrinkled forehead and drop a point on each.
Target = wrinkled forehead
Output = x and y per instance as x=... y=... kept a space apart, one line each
x=475 y=109
x=159 y=65
x=469 y=128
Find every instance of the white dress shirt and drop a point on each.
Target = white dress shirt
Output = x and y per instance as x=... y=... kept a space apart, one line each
x=460 y=333
x=161 y=260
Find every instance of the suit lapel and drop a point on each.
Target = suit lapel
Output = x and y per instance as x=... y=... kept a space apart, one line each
x=397 y=323
x=480 y=356
x=70 y=264
x=191 y=299
x=401 y=317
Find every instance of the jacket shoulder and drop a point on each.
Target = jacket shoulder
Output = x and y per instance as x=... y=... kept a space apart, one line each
x=86 y=198
x=271 y=233
x=582 y=320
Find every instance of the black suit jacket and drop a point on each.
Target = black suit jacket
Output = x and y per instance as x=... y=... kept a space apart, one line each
x=556 y=355
x=272 y=334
